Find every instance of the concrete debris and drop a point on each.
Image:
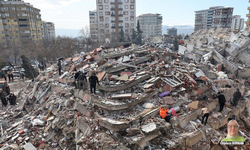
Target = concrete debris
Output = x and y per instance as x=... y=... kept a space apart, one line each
x=134 y=84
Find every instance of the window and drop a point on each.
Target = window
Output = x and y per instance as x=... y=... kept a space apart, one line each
x=106 y=1
x=120 y=12
x=107 y=25
x=100 y=1
x=120 y=24
x=100 y=7
x=13 y=8
x=107 y=13
x=119 y=6
x=101 y=18
x=126 y=30
x=126 y=6
x=6 y=8
x=113 y=18
x=126 y=1
x=119 y=0
x=132 y=19
x=126 y=25
x=126 y=13
x=112 y=1
x=101 y=13
x=101 y=25
x=126 y=19
x=131 y=6
x=106 y=6
x=112 y=13
x=106 y=19
x=7 y=14
x=132 y=1
x=120 y=18
x=132 y=13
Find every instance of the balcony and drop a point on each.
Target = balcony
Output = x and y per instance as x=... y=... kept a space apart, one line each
x=120 y=3
x=112 y=15
x=120 y=9
x=112 y=21
x=120 y=14
x=112 y=8
x=113 y=27
x=112 y=3
x=120 y=26
x=120 y=21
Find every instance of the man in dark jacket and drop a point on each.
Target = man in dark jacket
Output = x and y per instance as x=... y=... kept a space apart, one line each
x=82 y=81
x=236 y=97
x=222 y=100
x=77 y=74
x=4 y=101
x=59 y=66
x=93 y=79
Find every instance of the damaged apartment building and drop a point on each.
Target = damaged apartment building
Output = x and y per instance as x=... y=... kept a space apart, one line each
x=136 y=82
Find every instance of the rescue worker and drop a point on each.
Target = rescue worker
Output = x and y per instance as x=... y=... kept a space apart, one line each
x=236 y=97
x=205 y=115
x=92 y=80
x=77 y=74
x=82 y=81
x=164 y=114
x=222 y=100
x=12 y=76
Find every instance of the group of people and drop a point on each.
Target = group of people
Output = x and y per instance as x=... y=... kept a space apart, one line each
x=11 y=98
x=9 y=74
x=222 y=100
x=81 y=81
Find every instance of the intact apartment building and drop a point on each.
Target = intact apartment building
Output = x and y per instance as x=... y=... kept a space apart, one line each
x=112 y=16
x=172 y=32
x=150 y=24
x=19 y=22
x=48 y=30
x=218 y=16
x=237 y=22
x=93 y=24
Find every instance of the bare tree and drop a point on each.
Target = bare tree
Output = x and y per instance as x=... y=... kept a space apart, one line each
x=84 y=35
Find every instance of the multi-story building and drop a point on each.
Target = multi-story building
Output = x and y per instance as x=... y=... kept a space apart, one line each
x=237 y=22
x=114 y=15
x=19 y=22
x=248 y=18
x=151 y=24
x=93 y=24
x=48 y=30
x=218 y=16
x=172 y=32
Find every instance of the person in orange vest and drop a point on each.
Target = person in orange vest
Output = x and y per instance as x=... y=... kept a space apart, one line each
x=164 y=114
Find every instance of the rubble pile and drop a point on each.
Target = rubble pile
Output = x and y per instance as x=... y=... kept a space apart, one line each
x=135 y=84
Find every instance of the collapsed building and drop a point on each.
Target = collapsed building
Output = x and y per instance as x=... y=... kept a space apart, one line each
x=135 y=83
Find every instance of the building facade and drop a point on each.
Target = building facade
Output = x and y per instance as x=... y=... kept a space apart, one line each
x=248 y=18
x=150 y=24
x=93 y=24
x=114 y=16
x=218 y=16
x=237 y=22
x=172 y=32
x=19 y=22
x=48 y=30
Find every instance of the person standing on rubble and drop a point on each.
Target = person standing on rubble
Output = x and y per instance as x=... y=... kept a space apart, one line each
x=59 y=66
x=4 y=101
x=205 y=115
x=236 y=97
x=222 y=100
x=92 y=80
x=77 y=74
x=82 y=81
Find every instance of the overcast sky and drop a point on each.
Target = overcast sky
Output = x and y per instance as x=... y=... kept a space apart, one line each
x=74 y=14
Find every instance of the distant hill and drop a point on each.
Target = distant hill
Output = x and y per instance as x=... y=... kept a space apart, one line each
x=67 y=32
x=186 y=29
